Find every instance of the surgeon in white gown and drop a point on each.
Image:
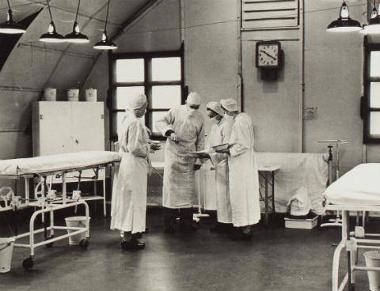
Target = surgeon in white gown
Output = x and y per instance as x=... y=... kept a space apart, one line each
x=130 y=187
x=243 y=172
x=219 y=134
x=184 y=128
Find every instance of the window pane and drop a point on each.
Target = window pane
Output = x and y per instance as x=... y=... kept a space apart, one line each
x=154 y=117
x=124 y=93
x=374 y=100
x=166 y=69
x=118 y=118
x=164 y=97
x=130 y=70
x=374 y=123
x=375 y=64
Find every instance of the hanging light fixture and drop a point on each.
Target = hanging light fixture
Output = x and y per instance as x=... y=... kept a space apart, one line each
x=76 y=36
x=344 y=23
x=374 y=21
x=10 y=26
x=105 y=43
x=51 y=36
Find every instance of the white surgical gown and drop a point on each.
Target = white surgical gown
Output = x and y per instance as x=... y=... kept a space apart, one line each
x=130 y=186
x=178 y=188
x=243 y=173
x=220 y=134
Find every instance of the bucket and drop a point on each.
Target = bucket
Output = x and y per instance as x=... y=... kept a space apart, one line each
x=73 y=94
x=50 y=94
x=6 y=252
x=91 y=95
x=372 y=259
x=77 y=221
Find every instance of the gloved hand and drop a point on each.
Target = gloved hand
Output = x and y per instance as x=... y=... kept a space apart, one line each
x=197 y=167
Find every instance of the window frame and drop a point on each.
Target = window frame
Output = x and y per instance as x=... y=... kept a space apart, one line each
x=147 y=84
x=366 y=109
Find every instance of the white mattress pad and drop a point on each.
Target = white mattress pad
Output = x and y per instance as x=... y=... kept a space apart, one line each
x=359 y=186
x=58 y=162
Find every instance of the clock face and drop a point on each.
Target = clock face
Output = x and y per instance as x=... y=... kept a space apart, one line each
x=267 y=55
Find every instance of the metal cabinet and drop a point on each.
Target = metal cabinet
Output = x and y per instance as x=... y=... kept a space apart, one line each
x=66 y=127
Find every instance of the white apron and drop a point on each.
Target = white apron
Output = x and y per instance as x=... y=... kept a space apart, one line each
x=179 y=180
x=243 y=173
x=128 y=213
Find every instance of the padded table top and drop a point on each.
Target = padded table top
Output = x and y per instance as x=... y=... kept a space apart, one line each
x=55 y=163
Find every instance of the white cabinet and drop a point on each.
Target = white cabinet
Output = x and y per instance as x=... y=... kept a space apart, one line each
x=65 y=127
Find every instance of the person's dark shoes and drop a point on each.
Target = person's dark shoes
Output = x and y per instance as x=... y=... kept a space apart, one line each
x=133 y=244
x=187 y=226
x=139 y=235
x=241 y=233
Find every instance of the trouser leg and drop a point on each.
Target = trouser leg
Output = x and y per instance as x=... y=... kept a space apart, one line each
x=170 y=216
x=186 y=220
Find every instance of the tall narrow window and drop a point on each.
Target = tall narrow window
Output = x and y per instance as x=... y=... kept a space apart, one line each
x=371 y=106
x=159 y=75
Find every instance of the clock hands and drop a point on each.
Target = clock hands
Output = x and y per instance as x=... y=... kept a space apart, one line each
x=269 y=55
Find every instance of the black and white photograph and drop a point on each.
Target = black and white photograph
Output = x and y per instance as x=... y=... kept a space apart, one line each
x=190 y=145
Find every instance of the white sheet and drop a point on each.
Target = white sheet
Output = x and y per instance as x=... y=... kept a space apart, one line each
x=359 y=186
x=297 y=170
x=55 y=163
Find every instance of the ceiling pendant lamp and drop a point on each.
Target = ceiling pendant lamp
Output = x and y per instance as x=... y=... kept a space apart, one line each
x=76 y=36
x=105 y=43
x=51 y=36
x=374 y=21
x=10 y=26
x=344 y=23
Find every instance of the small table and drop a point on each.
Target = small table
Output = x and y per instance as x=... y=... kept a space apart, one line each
x=268 y=173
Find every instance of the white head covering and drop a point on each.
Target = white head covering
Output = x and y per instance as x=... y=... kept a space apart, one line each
x=193 y=98
x=215 y=106
x=229 y=104
x=136 y=102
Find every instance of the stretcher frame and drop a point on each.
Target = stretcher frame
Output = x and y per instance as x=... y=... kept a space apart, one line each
x=49 y=208
x=352 y=242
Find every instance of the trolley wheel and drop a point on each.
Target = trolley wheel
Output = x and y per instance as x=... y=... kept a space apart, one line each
x=28 y=264
x=83 y=244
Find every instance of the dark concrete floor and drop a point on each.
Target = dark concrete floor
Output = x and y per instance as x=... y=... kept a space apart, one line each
x=276 y=259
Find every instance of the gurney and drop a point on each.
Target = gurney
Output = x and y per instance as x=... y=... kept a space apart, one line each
x=356 y=191
x=40 y=168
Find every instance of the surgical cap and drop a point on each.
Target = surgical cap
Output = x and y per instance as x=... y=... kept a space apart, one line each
x=215 y=106
x=229 y=104
x=194 y=99
x=136 y=102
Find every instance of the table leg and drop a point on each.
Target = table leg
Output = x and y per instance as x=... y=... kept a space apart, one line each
x=273 y=206
x=266 y=200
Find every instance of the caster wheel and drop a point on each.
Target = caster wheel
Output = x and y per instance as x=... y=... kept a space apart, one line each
x=83 y=244
x=28 y=264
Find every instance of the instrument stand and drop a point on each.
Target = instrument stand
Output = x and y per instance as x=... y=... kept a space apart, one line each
x=336 y=143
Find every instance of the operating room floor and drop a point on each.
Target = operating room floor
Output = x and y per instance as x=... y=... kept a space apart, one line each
x=276 y=259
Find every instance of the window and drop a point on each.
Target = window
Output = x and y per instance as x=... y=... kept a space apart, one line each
x=371 y=99
x=159 y=75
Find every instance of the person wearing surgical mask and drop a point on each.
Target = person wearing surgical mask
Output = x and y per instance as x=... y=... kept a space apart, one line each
x=129 y=196
x=219 y=134
x=243 y=172
x=184 y=128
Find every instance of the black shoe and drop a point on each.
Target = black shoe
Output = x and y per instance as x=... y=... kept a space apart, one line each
x=238 y=233
x=133 y=244
x=187 y=227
